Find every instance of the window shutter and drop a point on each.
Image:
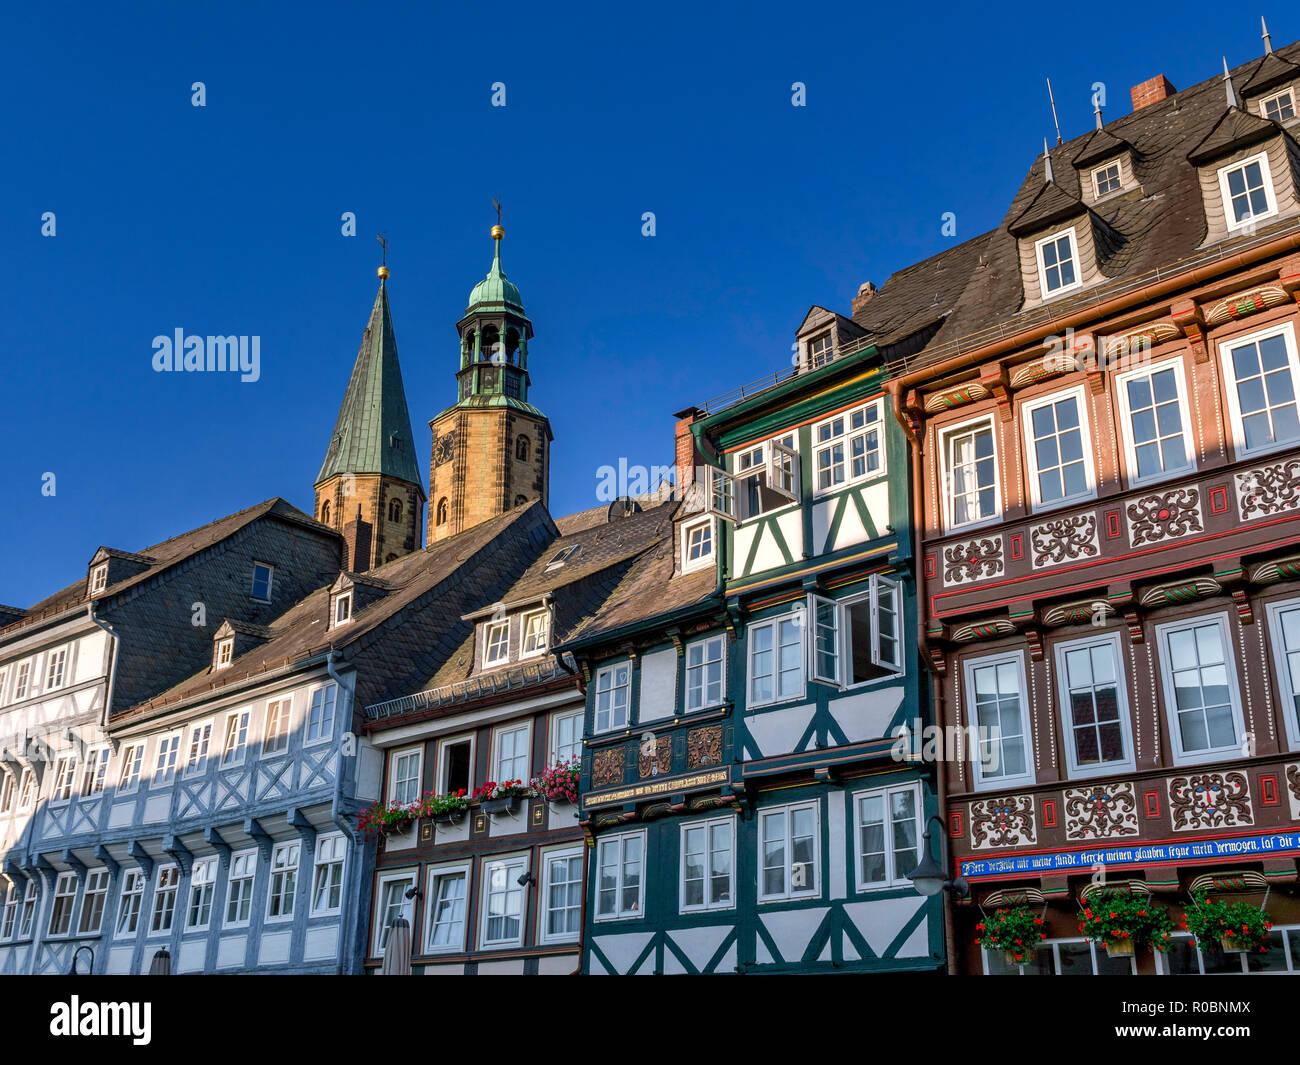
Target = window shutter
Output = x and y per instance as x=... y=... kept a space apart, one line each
x=782 y=470
x=822 y=641
x=886 y=649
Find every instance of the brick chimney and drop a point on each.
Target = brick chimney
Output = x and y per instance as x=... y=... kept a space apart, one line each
x=687 y=455
x=1151 y=91
x=357 y=536
x=865 y=291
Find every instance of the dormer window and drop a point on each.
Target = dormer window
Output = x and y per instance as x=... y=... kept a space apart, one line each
x=496 y=643
x=343 y=608
x=1057 y=262
x=99 y=578
x=562 y=557
x=697 y=545
x=820 y=351
x=535 y=633
x=1247 y=189
x=261 y=590
x=1107 y=179
x=224 y=652
x=1280 y=107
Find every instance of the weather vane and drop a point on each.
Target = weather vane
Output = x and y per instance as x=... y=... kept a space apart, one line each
x=497 y=204
x=383 y=244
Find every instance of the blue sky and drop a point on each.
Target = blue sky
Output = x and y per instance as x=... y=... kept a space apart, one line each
x=226 y=219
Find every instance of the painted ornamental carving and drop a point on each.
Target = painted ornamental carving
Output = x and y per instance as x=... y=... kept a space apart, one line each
x=1164 y=516
x=956 y=397
x=1209 y=800
x=1064 y=540
x=1293 y=789
x=607 y=767
x=1006 y=821
x=1244 y=304
x=973 y=560
x=656 y=762
x=703 y=746
x=1105 y=811
x=1268 y=490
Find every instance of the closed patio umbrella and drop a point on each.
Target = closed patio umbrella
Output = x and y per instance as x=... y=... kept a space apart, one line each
x=397 y=951
x=161 y=964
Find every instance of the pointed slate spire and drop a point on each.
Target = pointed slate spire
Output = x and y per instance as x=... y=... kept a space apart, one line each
x=1228 y=86
x=1268 y=39
x=373 y=431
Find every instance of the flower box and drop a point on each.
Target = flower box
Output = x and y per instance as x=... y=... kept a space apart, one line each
x=1119 y=948
x=1233 y=945
x=451 y=817
x=506 y=804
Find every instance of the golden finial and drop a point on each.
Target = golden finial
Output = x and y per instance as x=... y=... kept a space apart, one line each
x=498 y=230
x=383 y=263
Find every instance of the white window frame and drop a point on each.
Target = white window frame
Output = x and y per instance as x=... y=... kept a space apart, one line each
x=764 y=456
x=235 y=729
x=433 y=875
x=786 y=814
x=8 y=791
x=159 y=893
x=1270 y=193
x=880 y=589
x=444 y=742
x=894 y=877
x=1126 y=421
x=706 y=559
x=1291 y=950
x=1287 y=689
x=1122 y=765
x=490 y=629
x=56 y=660
x=284 y=726
x=1287 y=331
x=1074 y=259
x=707 y=824
x=65 y=776
x=65 y=889
x=161 y=775
x=1097 y=174
x=498 y=733
x=26 y=789
x=553 y=745
x=800 y=621
x=198 y=749
x=137 y=763
x=130 y=903
x=95 y=776
x=203 y=881
x=526 y=633
x=981 y=783
x=845 y=440
x=326 y=732
x=27 y=917
x=9 y=924
x=331 y=852
x=248 y=858
x=94 y=893
x=342 y=605
x=514 y=866
x=224 y=654
x=98 y=578
x=1213 y=754
x=719 y=493
x=395 y=757
x=704 y=645
x=1277 y=97
x=270 y=582
x=285 y=870
x=619 y=913
x=1053 y=945
x=22 y=681
x=379 y=924
x=610 y=670
x=1080 y=398
x=549 y=858
x=946 y=437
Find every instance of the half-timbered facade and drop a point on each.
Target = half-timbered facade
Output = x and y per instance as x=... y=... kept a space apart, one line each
x=1108 y=438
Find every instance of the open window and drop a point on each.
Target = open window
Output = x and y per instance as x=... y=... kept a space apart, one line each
x=856 y=641
x=716 y=493
x=783 y=470
x=766 y=477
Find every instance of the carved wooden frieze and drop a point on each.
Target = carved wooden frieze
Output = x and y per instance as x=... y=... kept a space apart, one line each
x=1141 y=339
x=1164 y=516
x=703 y=746
x=1103 y=811
x=1080 y=613
x=1067 y=539
x=1041 y=369
x=983 y=630
x=607 y=767
x=1268 y=490
x=1244 y=304
x=656 y=761
x=1180 y=592
x=973 y=560
x=956 y=397
x=1003 y=821
x=1280 y=569
x=1209 y=800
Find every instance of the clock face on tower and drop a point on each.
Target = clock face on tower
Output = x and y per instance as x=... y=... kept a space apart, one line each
x=443 y=448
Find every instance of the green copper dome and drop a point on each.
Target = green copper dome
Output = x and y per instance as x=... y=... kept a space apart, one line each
x=495 y=291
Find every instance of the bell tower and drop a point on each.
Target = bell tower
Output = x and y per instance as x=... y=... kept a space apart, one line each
x=492 y=449
x=369 y=486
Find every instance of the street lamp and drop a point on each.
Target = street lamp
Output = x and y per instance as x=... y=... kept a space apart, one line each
x=929 y=878
x=76 y=954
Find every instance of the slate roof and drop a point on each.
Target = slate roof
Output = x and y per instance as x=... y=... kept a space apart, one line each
x=410 y=629
x=1099 y=145
x=161 y=556
x=373 y=431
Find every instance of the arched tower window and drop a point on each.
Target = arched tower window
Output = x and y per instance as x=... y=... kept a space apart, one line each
x=442 y=511
x=325 y=512
x=491 y=344
x=522 y=448
x=394 y=510
x=512 y=345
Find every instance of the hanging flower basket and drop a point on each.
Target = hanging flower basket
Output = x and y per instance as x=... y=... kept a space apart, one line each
x=1122 y=921
x=449 y=809
x=1238 y=927
x=1014 y=930
x=558 y=784
x=385 y=819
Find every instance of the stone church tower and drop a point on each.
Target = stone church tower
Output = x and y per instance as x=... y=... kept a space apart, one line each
x=492 y=450
x=369 y=486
